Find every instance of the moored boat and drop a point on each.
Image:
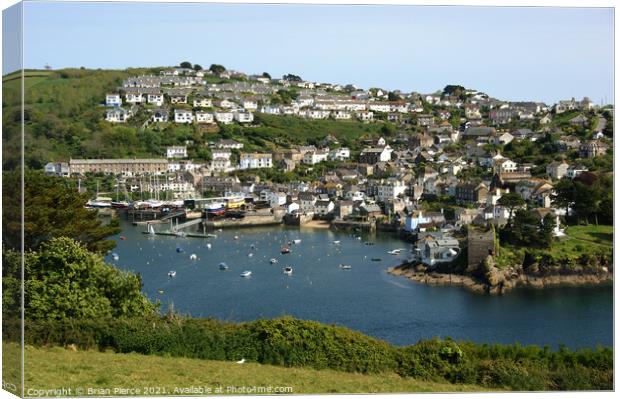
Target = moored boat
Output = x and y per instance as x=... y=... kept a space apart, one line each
x=172 y=273
x=287 y=270
x=285 y=250
x=345 y=267
x=223 y=266
x=246 y=273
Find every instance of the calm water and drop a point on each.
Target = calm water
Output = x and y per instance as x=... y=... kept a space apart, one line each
x=364 y=298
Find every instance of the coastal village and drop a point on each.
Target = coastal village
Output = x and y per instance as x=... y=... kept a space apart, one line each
x=438 y=172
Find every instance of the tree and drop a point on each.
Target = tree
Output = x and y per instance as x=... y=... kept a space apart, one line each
x=546 y=229
x=511 y=201
x=65 y=280
x=394 y=97
x=217 y=69
x=186 y=64
x=266 y=75
x=564 y=194
x=525 y=227
x=197 y=67
x=292 y=78
x=52 y=208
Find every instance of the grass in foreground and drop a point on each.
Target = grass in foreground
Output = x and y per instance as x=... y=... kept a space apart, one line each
x=580 y=239
x=50 y=368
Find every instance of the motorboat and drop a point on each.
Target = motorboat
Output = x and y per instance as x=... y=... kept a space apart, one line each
x=376 y=259
x=179 y=249
x=337 y=242
x=115 y=256
x=223 y=266
x=273 y=261
x=345 y=267
x=285 y=250
x=287 y=270
x=208 y=245
x=193 y=257
x=297 y=241
x=394 y=252
x=246 y=273
x=172 y=273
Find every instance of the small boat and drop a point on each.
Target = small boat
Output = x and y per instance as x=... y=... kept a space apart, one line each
x=285 y=250
x=246 y=273
x=172 y=273
x=236 y=237
x=119 y=204
x=337 y=242
x=250 y=255
x=223 y=266
x=193 y=257
x=297 y=241
x=287 y=270
x=273 y=261
x=208 y=245
x=123 y=238
x=179 y=249
x=345 y=267
x=394 y=252
x=160 y=291
x=115 y=256
x=376 y=259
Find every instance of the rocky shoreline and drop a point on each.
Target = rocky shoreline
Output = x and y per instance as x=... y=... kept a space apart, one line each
x=511 y=282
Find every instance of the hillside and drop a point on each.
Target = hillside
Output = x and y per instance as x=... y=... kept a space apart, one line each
x=64 y=114
x=48 y=368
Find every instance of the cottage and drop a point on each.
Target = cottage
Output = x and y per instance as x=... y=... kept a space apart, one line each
x=557 y=170
x=204 y=117
x=243 y=116
x=183 y=116
x=255 y=161
x=374 y=155
x=202 y=102
x=224 y=117
x=160 y=115
x=113 y=100
x=117 y=115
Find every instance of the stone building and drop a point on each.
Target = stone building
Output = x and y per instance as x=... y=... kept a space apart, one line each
x=480 y=243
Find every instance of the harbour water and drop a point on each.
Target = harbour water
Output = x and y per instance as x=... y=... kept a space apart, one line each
x=364 y=298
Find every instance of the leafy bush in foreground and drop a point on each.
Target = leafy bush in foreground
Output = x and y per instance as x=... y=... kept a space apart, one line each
x=297 y=343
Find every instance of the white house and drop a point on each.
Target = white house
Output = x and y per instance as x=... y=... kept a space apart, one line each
x=307 y=201
x=134 y=97
x=243 y=117
x=224 y=117
x=390 y=189
x=113 y=100
x=340 y=114
x=117 y=115
x=202 y=102
x=270 y=109
x=323 y=207
x=220 y=161
x=183 y=116
x=249 y=104
x=365 y=116
x=155 y=98
x=255 y=160
x=314 y=157
x=379 y=107
x=160 y=115
x=204 y=117
x=339 y=154
x=316 y=114
x=176 y=151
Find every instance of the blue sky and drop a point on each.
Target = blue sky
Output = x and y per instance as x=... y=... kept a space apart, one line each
x=542 y=54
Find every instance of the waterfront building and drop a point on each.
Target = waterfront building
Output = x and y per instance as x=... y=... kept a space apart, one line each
x=125 y=167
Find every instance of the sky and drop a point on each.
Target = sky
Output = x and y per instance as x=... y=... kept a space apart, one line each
x=538 y=54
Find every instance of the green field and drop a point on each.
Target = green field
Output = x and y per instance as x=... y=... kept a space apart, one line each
x=54 y=367
x=580 y=238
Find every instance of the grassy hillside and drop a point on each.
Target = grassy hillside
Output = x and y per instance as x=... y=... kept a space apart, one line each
x=64 y=118
x=48 y=368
